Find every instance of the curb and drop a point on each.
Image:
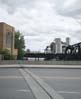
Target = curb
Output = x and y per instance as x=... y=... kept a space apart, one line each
x=42 y=66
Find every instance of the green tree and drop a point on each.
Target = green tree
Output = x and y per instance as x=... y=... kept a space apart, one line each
x=19 y=44
x=5 y=53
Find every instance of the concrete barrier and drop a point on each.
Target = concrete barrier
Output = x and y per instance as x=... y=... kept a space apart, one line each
x=5 y=62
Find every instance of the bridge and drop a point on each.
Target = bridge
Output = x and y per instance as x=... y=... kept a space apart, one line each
x=73 y=49
x=46 y=56
x=72 y=52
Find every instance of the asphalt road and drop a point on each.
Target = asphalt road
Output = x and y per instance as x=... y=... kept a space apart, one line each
x=66 y=82
x=13 y=85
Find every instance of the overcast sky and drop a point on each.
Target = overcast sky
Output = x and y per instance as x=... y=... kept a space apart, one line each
x=41 y=21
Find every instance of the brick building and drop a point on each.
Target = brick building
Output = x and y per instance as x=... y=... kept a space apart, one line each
x=7 y=38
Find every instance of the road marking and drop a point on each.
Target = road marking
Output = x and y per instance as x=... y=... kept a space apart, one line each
x=38 y=92
x=10 y=77
x=49 y=90
x=23 y=90
x=69 y=92
x=60 y=77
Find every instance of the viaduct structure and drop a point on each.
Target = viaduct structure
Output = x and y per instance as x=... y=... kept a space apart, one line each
x=72 y=52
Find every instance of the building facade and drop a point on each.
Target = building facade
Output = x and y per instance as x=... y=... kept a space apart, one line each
x=58 y=46
x=7 y=34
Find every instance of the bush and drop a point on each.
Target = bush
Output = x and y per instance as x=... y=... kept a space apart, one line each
x=12 y=57
x=5 y=53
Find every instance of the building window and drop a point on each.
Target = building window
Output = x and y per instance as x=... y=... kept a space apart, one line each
x=8 y=40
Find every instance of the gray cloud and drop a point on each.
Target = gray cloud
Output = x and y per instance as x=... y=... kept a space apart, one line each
x=69 y=8
x=13 y=5
x=41 y=21
x=72 y=13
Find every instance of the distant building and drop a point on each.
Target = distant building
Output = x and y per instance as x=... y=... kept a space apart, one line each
x=48 y=49
x=52 y=47
x=67 y=41
x=57 y=46
x=7 y=34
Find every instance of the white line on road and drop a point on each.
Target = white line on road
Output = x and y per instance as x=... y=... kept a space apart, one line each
x=60 y=77
x=49 y=90
x=69 y=92
x=36 y=89
x=23 y=90
x=10 y=77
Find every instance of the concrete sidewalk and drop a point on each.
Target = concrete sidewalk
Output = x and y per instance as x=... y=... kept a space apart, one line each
x=42 y=66
x=54 y=66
